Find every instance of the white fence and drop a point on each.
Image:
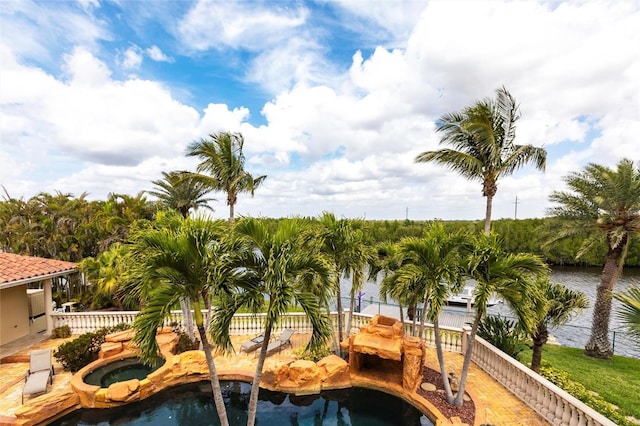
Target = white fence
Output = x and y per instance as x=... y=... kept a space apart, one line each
x=548 y=400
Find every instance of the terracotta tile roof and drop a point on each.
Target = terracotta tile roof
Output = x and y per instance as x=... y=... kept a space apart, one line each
x=14 y=267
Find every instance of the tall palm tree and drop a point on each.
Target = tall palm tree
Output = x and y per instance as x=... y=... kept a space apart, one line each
x=559 y=304
x=629 y=314
x=178 y=191
x=601 y=202
x=279 y=272
x=511 y=277
x=188 y=262
x=432 y=265
x=482 y=139
x=345 y=247
x=222 y=166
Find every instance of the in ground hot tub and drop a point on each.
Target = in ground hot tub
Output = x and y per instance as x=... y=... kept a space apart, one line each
x=119 y=371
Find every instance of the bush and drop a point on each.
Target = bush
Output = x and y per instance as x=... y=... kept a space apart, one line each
x=315 y=355
x=80 y=352
x=561 y=379
x=61 y=332
x=504 y=334
x=184 y=341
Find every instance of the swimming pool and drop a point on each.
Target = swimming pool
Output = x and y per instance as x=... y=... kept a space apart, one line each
x=193 y=405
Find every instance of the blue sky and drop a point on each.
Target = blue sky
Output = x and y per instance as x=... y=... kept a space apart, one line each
x=334 y=98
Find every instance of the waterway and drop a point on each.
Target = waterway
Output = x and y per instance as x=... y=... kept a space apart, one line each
x=576 y=332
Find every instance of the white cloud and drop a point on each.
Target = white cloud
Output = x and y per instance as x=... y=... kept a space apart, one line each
x=157 y=55
x=131 y=58
x=212 y=24
x=338 y=138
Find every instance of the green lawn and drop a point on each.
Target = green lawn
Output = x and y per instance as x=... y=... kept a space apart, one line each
x=616 y=380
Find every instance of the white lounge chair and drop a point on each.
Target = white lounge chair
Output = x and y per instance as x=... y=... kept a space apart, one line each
x=279 y=343
x=40 y=372
x=252 y=345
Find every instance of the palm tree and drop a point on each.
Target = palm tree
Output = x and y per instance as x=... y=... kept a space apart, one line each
x=482 y=140
x=223 y=162
x=630 y=311
x=110 y=273
x=433 y=267
x=511 y=277
x=178 y=191
x=344 y=245
x=559 y=304
x=188 y=262
x=280 y=272
x=601 y=201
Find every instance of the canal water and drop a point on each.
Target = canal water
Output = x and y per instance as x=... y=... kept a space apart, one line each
x=576 y=332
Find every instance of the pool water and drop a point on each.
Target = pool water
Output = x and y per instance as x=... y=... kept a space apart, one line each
x=193 y=405
x=120 y=371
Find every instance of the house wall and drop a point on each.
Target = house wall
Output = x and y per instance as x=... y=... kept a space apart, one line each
x=14 y=313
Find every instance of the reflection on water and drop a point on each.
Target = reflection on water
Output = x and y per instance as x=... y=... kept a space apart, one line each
x=193 y=405
x=576 y=332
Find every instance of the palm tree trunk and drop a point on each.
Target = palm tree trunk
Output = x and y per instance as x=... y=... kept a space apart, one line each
x=540 y=337
x=401 y=314
x=598 y=345
x=415 y=319
x=340 y=310
x=231 y=213
x=349 y=319
x=443 y=369
x=255 y=386
x=213 y=376
x=423 y=316
x=187 y=318
x=467 y=361
x=335 y=347
x=487 y=215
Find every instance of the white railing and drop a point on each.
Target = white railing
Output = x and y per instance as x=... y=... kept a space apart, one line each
x=242 y=324
x=552 y=403
x=548 y=400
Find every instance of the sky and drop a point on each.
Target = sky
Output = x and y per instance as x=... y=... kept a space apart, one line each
x=335 y=99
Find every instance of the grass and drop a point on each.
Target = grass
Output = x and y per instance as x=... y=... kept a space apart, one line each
x=616 y=380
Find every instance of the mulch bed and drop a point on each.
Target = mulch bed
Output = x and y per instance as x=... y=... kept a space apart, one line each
x=466 y=413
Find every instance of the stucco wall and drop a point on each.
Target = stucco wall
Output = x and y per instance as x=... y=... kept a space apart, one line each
x=14 y=313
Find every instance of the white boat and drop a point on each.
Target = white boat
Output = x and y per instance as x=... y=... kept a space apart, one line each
x=466 y=298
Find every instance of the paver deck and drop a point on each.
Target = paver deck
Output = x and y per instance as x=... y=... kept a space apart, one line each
x=494 y=404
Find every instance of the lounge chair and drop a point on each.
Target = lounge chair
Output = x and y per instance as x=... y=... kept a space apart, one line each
x=253 y=344
x=279 y=343
x=40 y=372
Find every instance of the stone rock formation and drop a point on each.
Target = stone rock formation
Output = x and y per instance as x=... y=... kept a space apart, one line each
x=381 y=352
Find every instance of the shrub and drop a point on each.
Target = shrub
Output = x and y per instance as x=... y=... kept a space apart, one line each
x=80 y=352
x=314 y=355
x=503 y=333
x=185 y=343
x=61 y=332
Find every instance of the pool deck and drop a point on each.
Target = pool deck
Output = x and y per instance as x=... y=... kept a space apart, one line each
x=495 y=405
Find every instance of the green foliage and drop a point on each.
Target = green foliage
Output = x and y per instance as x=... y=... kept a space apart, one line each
x=561 y=379
x=185 y=343
x=312 y=354
x=504 y=334
x=79 y=352
x=61 y=332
